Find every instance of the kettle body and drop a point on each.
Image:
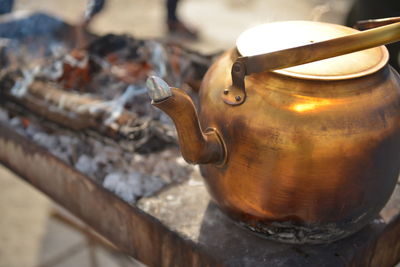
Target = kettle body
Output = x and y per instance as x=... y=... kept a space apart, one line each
x=308 y=161
x=298 y=138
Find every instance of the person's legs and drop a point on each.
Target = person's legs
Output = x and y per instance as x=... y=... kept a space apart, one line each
x=175 y=26
x=171 y=10
x=6 y=6
x=93 y=8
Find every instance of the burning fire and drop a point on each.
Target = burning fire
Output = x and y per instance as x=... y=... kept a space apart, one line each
x=89 y=107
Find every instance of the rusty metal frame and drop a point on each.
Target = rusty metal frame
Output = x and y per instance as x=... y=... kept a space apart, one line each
x=127 y=227
x=148 y=237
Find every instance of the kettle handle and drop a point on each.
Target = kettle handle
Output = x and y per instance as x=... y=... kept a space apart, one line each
x=290 y=57
x=363 y=25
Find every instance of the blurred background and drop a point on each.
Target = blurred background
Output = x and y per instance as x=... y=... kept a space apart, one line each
x=219 y=22
x=31 y=231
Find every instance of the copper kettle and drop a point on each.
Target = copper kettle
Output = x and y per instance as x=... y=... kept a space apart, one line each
x=300 y=153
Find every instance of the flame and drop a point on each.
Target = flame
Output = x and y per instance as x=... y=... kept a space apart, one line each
x=311 y=104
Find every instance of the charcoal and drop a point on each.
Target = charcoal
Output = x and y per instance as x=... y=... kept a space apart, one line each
x=129 y=175
x=112 y=43
x=88 y=105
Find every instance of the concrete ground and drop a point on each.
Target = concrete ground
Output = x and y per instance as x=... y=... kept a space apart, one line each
x=28 y=236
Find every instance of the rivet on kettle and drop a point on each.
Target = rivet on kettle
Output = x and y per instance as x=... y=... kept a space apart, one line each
x=226 y=91
x=236 y=68
x=238 y=98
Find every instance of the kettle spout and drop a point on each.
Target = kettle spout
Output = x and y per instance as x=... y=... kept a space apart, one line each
x=197 y=147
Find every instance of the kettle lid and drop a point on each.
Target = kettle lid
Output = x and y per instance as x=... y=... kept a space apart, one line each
x=276 y=36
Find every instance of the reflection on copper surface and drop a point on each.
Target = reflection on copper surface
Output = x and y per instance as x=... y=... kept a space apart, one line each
x=311 y=104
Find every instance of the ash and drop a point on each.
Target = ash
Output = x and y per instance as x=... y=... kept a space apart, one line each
x=88 y=105
x=128 y=175
x=101 y=87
